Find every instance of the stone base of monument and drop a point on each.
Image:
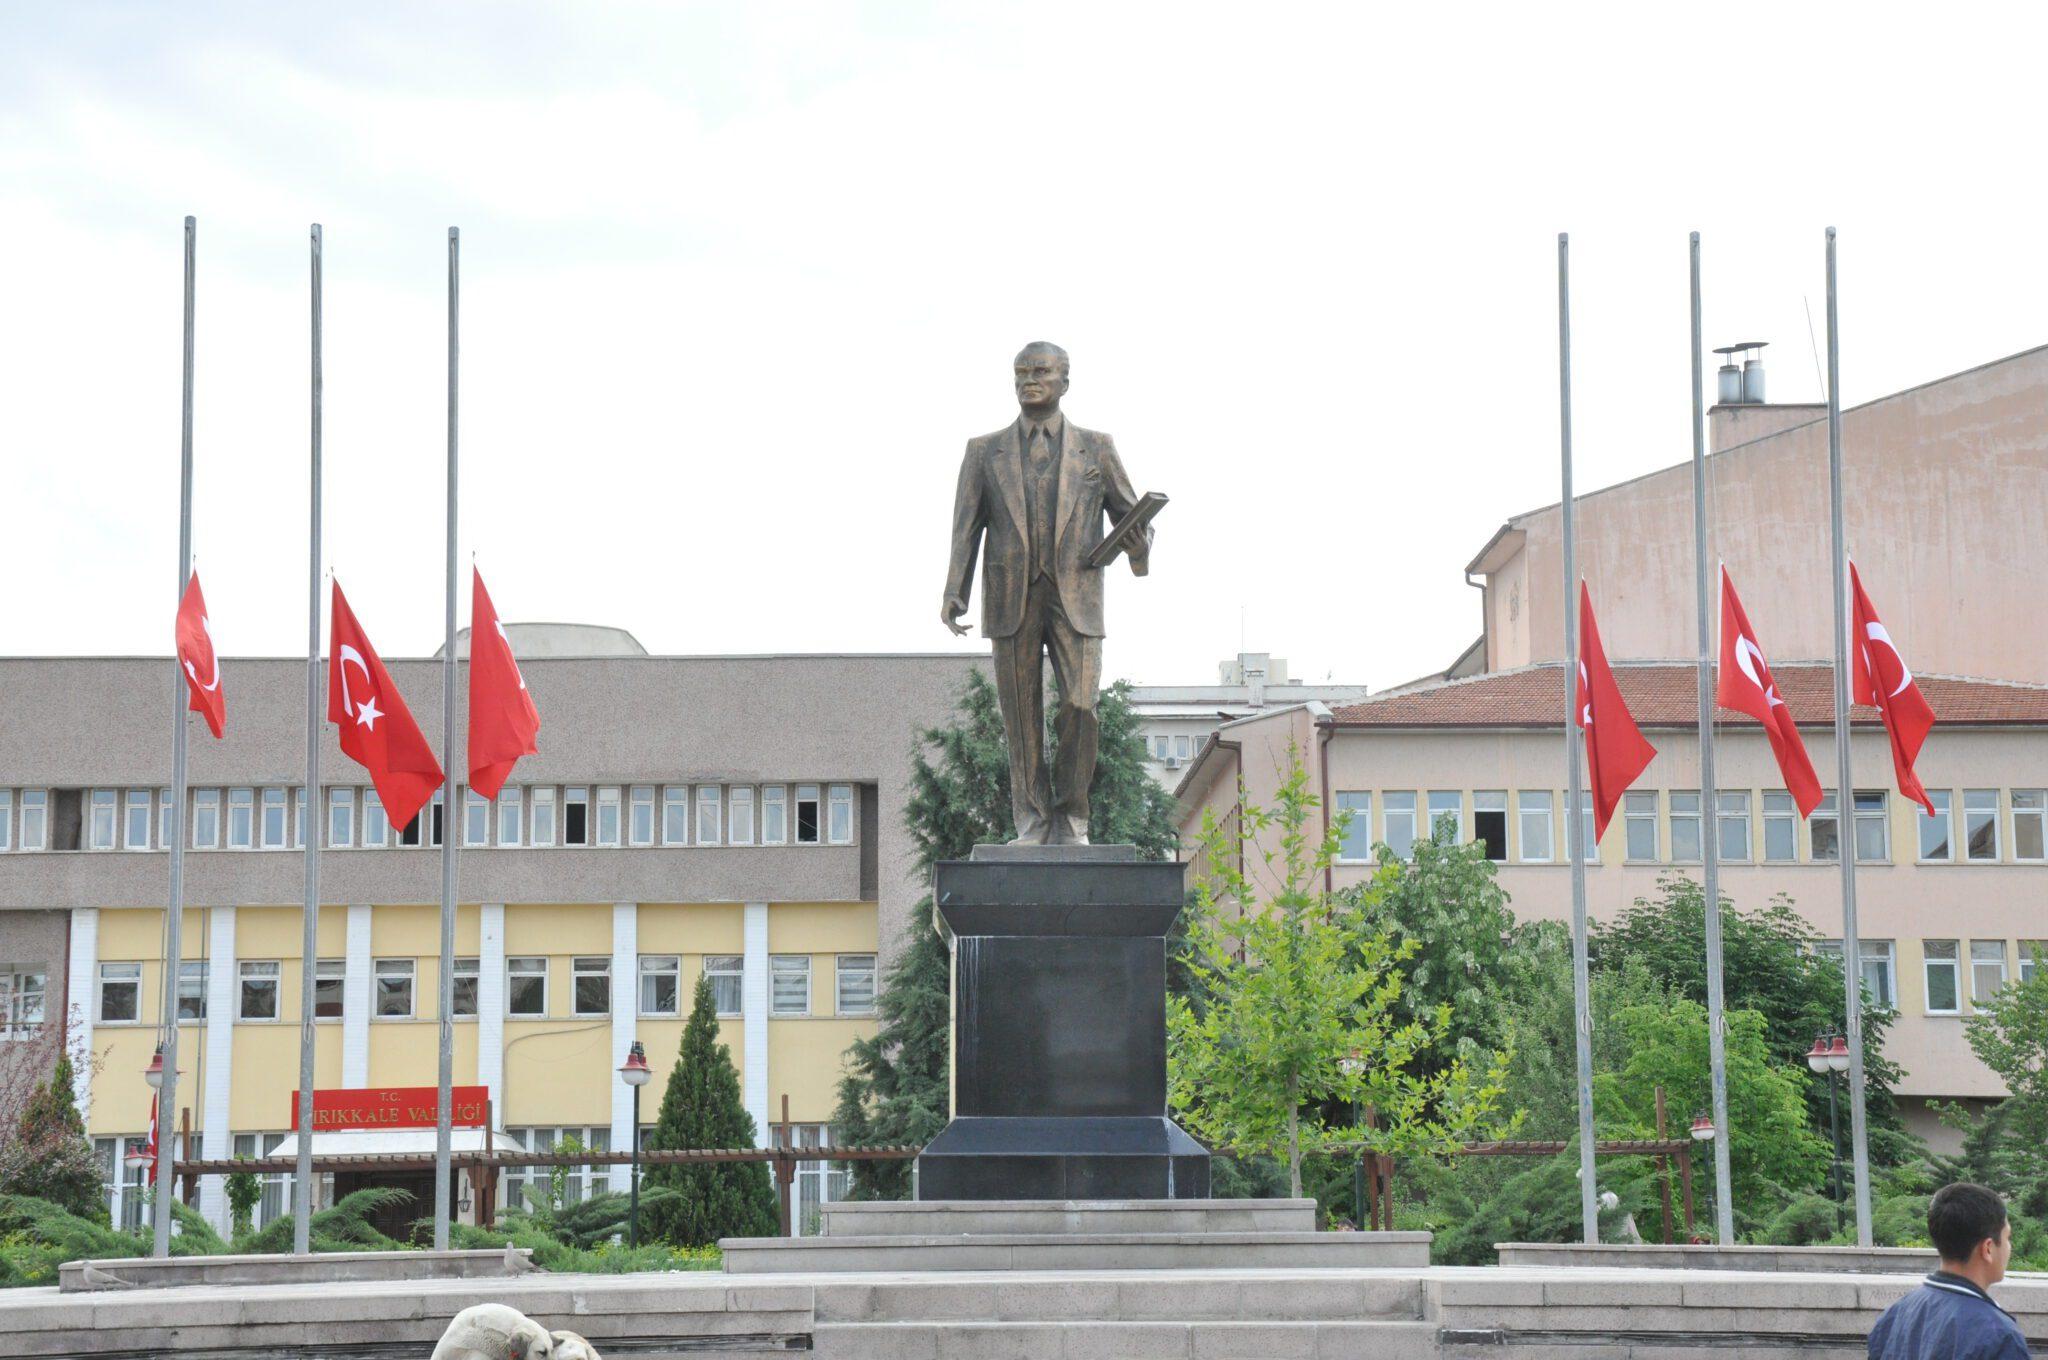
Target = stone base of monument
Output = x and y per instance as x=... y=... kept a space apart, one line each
x=1089 y=1235
x=149 y=1272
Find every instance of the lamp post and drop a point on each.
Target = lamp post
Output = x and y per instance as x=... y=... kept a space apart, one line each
x=634 y=1072
x=1351 y=1065
x=154 y=1075
x=1830 y=1054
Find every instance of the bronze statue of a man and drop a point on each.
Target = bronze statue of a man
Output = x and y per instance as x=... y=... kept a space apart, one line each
x=1037 y=491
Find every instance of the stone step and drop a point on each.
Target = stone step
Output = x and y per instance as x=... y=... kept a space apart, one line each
x=1077 y=1340
x=1080 y=1251
x=1186 y=1297
x=944 y=1218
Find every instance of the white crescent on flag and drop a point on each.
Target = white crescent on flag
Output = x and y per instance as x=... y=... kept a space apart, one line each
x=207 y=625
x=1750 y=657
x=1875 y=632
x=367 y=714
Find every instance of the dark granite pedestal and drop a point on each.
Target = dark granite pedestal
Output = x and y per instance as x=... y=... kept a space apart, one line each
x=1059 y=1029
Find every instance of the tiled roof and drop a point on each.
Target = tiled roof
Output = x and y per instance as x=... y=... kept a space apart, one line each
x=1666 y=694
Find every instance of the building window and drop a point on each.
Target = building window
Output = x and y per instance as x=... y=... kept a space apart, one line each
x=375 y=824
x=1160 y=746
x=35 y=818
x=511 y=815
x=101 y=825
x=1944 y=994
x=774 y=815
x=120 y=993
x=463 y=994
x=608 y=816
x=807 y=824
x=675 y=814
x=1938 y=830
x=2033 y=958
x=1987 y=969
x=1824 y=829
x=707 y=814
x=1589 y=844
x=593 y=984
x=1639 y=824
x=276 y=1185
x=531 y=1186
x=839 y=815
x=21 y=1000
x=2029 y=824
x=1733 y=827
x=575 y=816
x=437 y=819
x=192 y=990
x=329 y=979
x=1877 y=968
x=1980 y=824
x=856 y=984
x=1490 y=822
x=640 y=829
x=725 y=972
x=394 y=989
x=241 y=818
x=1447 y=815
x=739 y=816
x=166 y=835
x=526 y=986
x=1397 y=815
x=136 y=819
x=258 y=991
x=543 y=816
x=661 y=984
x=1685 y=826
x=476 y=818
x=413 y=831
x=7 y=820
x=275 y=810
x=789 y=984
x=1781 y=828
x=298 y=819
x=1532 y=809
x=1873 y=835
x=1354 y=843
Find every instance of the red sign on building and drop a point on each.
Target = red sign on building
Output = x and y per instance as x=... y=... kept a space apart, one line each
x=393 y=1107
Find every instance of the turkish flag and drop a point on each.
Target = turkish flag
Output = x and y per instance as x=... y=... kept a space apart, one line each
x=196 y=655
x=155 y=1158
x=1745 y=685
x=1615 y=749
x=377 y=730
x=1879 y=679
x=502 y=718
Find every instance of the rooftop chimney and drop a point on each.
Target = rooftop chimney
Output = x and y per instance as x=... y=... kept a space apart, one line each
x=1742 y=386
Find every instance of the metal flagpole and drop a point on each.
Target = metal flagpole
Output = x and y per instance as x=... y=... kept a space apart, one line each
x=1710 y=805
x=450 y=828
x=309 y=949
x=174 y=911
x=1582 y=1006
x=1845 y=784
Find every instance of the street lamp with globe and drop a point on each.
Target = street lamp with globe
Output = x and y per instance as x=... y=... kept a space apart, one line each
x=635 y=1073
x=1830 y=1054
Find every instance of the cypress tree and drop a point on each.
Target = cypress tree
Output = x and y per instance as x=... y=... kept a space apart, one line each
x=701 y=1108
x=893 y=1090
x=49 y=1157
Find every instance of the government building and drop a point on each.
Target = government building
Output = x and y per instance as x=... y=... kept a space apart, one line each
x=737 y=818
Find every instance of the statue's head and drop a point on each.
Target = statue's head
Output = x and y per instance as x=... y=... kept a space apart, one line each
x=1041 y=371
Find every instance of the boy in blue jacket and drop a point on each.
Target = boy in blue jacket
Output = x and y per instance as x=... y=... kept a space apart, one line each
x=1950 y=1316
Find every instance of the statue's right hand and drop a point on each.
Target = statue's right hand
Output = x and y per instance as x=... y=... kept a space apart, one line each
x=950 y=612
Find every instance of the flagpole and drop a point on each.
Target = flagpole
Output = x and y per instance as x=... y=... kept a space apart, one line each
x=1582 y=1007
x=1845 y=784
x=450 y=828
x=174 y=911
x=1710 y=802
x=309 y=949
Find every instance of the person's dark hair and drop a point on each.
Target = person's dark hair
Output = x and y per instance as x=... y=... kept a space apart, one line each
x=1961 y=1217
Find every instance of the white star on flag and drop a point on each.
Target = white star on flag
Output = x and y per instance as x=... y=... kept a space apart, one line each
x=367 y=713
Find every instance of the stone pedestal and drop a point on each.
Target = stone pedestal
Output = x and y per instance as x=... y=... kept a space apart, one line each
x=1059 y=1029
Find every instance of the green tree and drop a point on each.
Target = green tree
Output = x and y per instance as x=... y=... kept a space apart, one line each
x=245 y=1192
x=2009 y=1034
x=894 y=1087
x=702 y=1109
x=49 y=1156
x=1293 y=1012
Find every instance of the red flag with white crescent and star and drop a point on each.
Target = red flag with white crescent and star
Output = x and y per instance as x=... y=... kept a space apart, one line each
x=1745 y=685
x=1616 y=751
x=502 y=718
x=377 y=730
x=198 y=660
x=1879 y=679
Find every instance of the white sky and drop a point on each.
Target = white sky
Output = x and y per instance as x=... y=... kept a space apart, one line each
x=740 y=279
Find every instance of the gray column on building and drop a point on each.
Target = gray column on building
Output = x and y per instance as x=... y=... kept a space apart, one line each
x=490 y=1006
x=216 y=1134
x=355 y=999
x=754 y=1017
x=625 y=1015
x=81 y=1002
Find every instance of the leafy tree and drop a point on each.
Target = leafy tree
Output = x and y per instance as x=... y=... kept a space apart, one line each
x=49 y=1157
x=894 y=1089
x=2009 y=1034
x=245 y=1192
x=702 y=1109
x=1294 y=1010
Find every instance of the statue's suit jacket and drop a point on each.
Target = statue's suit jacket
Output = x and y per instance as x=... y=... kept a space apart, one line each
x=991 y=501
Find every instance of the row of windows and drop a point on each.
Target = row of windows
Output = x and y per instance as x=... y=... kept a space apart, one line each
x=1943 y=962
x=542 y=815
x=393 y=990
x=1664 y=826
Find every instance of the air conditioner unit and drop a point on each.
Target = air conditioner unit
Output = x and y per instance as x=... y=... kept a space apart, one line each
x=1172 y=762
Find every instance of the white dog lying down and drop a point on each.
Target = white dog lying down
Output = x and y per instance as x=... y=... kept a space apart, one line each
x=491 y=1331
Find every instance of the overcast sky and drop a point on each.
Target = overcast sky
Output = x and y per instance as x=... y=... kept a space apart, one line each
x=740 y=279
